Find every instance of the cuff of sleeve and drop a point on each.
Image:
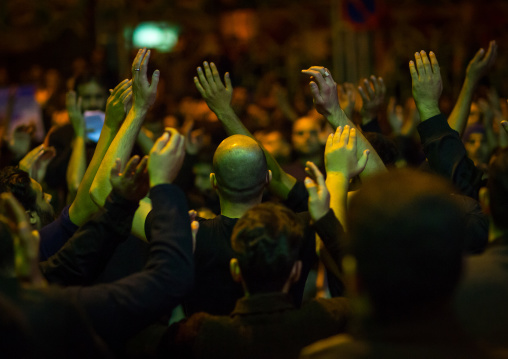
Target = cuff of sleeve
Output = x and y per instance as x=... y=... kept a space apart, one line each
x=327 y=224
x=118 y=207
x=434 y=127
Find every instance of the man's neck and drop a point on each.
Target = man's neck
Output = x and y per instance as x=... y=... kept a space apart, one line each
x=235 y=210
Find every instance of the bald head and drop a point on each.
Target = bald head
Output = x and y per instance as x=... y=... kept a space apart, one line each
x=240 y=167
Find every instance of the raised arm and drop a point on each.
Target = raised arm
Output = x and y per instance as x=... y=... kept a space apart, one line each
x=82 y=206
x=477 y=68
x=324 y=91
x=77 y=163
x=218 y=98
x=373 y=97
x=143 y=97
x=87 y=253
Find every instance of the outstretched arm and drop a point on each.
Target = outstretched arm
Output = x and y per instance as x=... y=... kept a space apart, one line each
x=477 y=68
x=324 y=91
x=218 y=98
x=82 y=206
x=143 y=97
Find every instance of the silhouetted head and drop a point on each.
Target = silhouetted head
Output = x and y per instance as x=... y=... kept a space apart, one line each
x=29 y=193
x=406 y=234
x=266 y=241
x=240 y=171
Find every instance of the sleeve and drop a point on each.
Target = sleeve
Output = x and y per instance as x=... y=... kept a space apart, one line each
x=332 y=234
x=56 y=234
x=447 y=155
x=120 y=309
x=298 y=198
x=87 y=253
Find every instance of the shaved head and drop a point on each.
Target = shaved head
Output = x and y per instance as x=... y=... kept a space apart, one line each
x=240 y=168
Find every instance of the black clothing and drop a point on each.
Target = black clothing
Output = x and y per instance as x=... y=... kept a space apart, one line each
x=122 y=308
x=260 y=326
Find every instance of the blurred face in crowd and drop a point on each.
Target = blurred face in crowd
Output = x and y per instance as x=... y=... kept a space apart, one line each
x=93 y=96
x=202 y=172
x=44 y=211
x=306 y=136
x=474 y=114
x=477 y=148
x=275 y=143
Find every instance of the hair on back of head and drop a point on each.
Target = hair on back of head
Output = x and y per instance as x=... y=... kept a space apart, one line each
x=267 y=241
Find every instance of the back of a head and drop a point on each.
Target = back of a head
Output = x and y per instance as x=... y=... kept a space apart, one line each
x=406 y=234
x=240 y=168
x=267 y=240
x=498 y=189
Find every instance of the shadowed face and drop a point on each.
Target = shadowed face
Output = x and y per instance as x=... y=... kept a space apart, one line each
x=93 y=96
x=306 y=136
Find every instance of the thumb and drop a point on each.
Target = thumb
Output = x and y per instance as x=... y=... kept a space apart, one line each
x=362 y=162
x=160 y=143
x=155 y=80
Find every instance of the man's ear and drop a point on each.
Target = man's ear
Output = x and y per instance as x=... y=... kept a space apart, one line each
x=33 y=217
x=213 y=180
x=484 y=198
x=295 y=272
x=268 y=177
x=234 y=268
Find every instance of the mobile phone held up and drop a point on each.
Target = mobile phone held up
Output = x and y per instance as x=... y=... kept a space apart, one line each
x=94 y=120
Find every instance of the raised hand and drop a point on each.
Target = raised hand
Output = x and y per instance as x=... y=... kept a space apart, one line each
x=118 y=104
x=131 y=183
x=481 y=63
x=194 y=140
x=319 y=197
x=340 y=153
x=26 y=241
x=209 y=84
x=427 y=85
x=37 y=160
x=144 y=93
x=75 y=112
x=373 y=96
x=166 y=157
x=324 y=90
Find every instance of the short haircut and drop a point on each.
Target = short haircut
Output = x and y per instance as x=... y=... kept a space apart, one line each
x=240 y=168
x=497 y=185
x=267 y=240
x=18 y=182
x=406 y=233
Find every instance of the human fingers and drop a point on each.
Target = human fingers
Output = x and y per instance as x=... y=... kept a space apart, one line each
x=338 y=134
x=314 y=90
x=351 y=144
x=434 y=63
x=426 y=62
x=377 y=86
x=130 y=167
x=126 y=96
x=419 y=64
x=344 y=137
x=203 y=81
x=143 y=69
x=117 y=168
x=136 y=64
x=318 y=77
x=311 y=187
x=175 y=140
x=141 y=168
x=363 y=95
x=120 y=88
x=227 y=81
x=319 y=178
x=155 y=80
x=412 y=70
x=362 y=162
x=209 y=76
x=160 y=143
x=216 y=76
x=382 y=86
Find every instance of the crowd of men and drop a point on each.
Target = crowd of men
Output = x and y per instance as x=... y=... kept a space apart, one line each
x=413 y=253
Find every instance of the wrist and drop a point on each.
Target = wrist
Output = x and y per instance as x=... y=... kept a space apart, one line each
x=335 y=178
x=428 y=110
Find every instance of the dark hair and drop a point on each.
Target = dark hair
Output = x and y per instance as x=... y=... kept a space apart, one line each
x=267 y=240
x=497 y=185
x=18 y=182
x=87 y=77
x=406 y=233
